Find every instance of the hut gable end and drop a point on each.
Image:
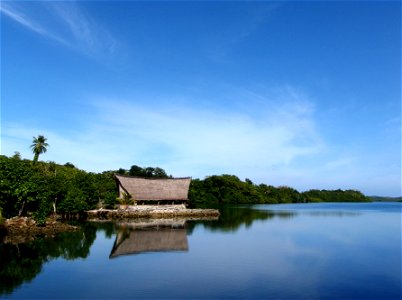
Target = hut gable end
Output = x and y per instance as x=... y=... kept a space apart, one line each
x=155 y=189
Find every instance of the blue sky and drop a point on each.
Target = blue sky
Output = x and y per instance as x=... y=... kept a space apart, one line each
x=303 y=94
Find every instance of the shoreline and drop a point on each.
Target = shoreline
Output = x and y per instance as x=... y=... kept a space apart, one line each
x=18 y=230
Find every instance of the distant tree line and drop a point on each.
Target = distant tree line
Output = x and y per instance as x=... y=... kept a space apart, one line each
x=386 y=199
x=226 y=189
x=42 y=188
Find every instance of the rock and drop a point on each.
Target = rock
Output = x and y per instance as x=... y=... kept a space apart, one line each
x=22 y=229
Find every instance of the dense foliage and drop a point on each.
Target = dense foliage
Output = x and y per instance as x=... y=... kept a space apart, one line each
x=230 y=189
x=148 y=172
x=44 y=188
x=334 y=196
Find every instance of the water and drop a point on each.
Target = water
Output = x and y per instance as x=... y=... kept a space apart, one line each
x=298 y=251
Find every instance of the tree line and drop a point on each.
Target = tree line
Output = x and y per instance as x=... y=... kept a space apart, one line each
x=42 y=188
x=225 y=189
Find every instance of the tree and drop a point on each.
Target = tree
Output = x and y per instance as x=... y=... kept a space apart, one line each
x=160 y=173
x=17 y=155
x=136 y=171
x=121 y=171
x=38 y=146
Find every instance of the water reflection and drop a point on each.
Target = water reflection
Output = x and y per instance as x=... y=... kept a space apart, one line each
x=329 y=251
x=167 y=235
x=21 y=263
x=143 y=236
x=232 y=218
x=338 y=214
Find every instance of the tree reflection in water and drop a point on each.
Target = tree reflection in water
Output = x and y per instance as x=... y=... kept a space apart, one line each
x=23 y=262
x=233 y=217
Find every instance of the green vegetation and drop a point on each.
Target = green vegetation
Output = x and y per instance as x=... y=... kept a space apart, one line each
x=41 y=189
x=126 y=199
x=45 y=188
x=226 y=189
x=148 y=172
x=335 y=196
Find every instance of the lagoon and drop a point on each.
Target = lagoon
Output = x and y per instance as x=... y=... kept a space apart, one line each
x=287 y=251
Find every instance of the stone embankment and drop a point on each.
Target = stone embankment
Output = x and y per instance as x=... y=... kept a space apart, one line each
x=148 y=211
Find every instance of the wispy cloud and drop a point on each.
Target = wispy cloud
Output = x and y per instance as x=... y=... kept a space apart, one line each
x=280 y=144
x=12 y=11
x=63 y=22
x=208 y=140
x=184 y=140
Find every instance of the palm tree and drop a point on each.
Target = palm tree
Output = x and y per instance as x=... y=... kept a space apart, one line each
x=38 y=146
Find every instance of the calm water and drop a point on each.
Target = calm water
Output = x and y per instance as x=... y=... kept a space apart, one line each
x=299 y=251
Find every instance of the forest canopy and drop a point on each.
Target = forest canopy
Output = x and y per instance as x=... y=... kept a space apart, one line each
x=43 y=188
x=224 y=189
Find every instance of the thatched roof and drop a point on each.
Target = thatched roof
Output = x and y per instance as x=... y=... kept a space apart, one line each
x=139 y=241
x=155 y=188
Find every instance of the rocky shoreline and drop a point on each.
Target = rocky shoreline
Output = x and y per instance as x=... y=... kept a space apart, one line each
x=24 y=229
x=147 y=211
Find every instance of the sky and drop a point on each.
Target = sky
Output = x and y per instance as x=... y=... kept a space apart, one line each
x=286 y=93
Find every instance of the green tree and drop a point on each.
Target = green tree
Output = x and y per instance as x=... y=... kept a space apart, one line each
x=69 y=165
x=39 y=146
x=160 y=173
x=17 y=155
x=150 y=172
x=135 y=171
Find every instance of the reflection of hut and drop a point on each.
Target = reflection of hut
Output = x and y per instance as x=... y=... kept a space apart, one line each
x=154 y=190
x=157 y=239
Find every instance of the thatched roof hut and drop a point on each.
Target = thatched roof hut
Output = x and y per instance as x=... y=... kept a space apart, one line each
x=154 y=189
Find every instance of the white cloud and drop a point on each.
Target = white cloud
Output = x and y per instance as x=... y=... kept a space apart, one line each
x=273 y=140
x=183 y=140
x=281 y=148
x=63 y=22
